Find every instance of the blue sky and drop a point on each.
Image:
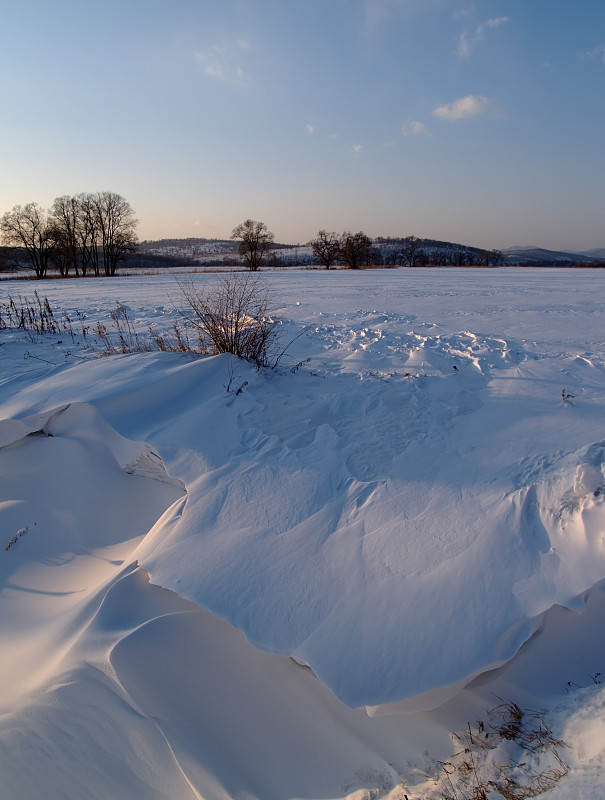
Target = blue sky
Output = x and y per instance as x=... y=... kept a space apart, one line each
x=480 y=122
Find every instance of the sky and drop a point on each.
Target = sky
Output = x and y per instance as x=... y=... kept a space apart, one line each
x=477 y=122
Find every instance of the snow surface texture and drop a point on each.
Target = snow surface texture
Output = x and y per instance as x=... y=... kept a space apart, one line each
x=411 y=505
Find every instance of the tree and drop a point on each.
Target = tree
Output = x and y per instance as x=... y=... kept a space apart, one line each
x=496 y=258
x=64 y=223
x=5 y=261
x=326 y=248
x=255 y=239
x=412 y=251
x=116 y=225
x=355 y=249
x=82 y=232
x=27 y=227
x=438 y=257
x=88 y=233
x=459 y=257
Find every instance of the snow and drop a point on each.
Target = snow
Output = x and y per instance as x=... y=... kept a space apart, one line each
x=301 y=588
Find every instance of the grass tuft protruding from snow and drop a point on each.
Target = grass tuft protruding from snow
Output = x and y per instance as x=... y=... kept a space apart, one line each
x=514 y=755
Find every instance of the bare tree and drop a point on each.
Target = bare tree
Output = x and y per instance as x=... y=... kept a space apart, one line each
x=88 y=233
x=255 y=239
x=64 y=222
x=439 y=258
x=459 y=257
x=27 y=227
x=116 y=225
x=326 y=248
x=5 y=259
x=355 y=249
x=496 y=258
x=481 y=259
x=412 y=251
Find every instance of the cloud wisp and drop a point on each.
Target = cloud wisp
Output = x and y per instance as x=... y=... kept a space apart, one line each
x=222 y=62
x=468 y=40
x=414 y=128
x=495 y=22
x=470 y=106
x=597 y=52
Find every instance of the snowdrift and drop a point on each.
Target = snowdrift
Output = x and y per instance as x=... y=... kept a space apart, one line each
x=411 y=508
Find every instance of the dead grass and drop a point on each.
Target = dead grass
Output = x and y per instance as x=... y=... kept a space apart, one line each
x=514 y=755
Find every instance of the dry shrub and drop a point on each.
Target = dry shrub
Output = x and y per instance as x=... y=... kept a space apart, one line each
x=233 y=317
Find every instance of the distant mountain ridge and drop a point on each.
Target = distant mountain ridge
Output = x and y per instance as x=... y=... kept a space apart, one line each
x=596 y=252
x=540 y=255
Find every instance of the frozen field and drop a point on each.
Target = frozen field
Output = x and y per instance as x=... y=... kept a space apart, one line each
x=411 y=505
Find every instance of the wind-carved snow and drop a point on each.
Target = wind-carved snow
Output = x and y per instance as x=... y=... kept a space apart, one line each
x=344 y=504
x=64 y=486
x=81 y=419
x=400 y=506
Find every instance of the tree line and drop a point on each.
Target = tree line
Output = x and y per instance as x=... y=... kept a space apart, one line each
x=352 y=249
x=89 y=233
x=356 y=250
x=412 y=251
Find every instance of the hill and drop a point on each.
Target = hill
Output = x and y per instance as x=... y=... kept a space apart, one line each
x=387 y=251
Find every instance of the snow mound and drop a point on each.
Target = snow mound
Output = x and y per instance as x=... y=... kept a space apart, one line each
x=330 y=517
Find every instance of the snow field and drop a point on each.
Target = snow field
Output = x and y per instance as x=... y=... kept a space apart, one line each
x=405 y=505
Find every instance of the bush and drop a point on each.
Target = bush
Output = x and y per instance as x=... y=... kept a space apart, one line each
x=233 y=317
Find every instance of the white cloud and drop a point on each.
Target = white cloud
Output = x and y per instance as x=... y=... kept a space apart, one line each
x=495 y=22
x=357 y=149
x=310 y=129
x=598 y=52
x=464 y=46
x=463 y=12
x=470 y=106
x=221 y=62
x=467 y=40
x=414 y=128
